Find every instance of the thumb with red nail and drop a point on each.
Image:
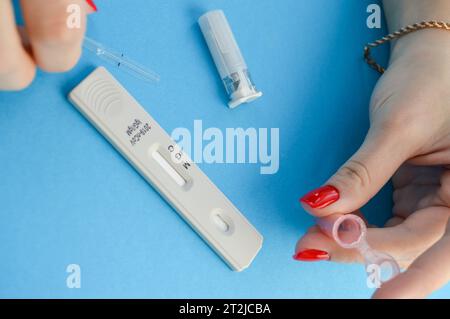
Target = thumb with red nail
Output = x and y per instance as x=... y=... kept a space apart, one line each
x=408 y=143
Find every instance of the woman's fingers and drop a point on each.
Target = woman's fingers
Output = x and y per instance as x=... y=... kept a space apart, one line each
x=435 y=158
x=414 y=197
x=56 y=44
x=394 y=221
x=392 y=240
x=16 y=66
x=316 y=241
x=409 y=174
x=363 y=175
x=50 y=42
x=423 y=192
x=404 y=241
x=428 y=273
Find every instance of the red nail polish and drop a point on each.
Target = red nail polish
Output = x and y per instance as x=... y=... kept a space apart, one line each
x=92 y=4
x=321 y=197
x=311 y=255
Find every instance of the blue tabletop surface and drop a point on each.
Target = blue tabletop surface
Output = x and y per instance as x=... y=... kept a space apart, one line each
x=67 y=197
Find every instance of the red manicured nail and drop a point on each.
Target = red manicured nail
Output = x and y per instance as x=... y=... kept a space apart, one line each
x=321 y=197
x=311 y=255
x=92 y=4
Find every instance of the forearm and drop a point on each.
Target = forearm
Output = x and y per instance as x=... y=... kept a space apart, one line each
x=400 y=13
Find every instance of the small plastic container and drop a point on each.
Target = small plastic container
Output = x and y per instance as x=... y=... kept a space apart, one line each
x=349 y=231
x=228 y=58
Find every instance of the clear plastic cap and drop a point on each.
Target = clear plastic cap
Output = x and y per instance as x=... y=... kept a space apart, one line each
x=349 y=231
x=228 y=58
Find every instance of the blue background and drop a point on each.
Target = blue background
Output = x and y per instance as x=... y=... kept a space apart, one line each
x=66 y=196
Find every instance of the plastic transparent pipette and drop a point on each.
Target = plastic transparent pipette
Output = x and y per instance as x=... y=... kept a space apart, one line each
x=119 y=60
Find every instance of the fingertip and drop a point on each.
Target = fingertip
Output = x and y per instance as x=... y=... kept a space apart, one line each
x=18 y=75
x=26 y=79
x=56 y=42
x=320 y=197
x=311 y=255
x=60 y=63
x=314 y=241
x=316 y=212
x=329 y=199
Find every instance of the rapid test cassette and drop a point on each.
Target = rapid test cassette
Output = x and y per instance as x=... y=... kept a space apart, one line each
x=139 y=138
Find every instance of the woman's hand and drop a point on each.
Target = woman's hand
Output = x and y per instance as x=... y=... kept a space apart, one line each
x=46 y=41
x=409 y=136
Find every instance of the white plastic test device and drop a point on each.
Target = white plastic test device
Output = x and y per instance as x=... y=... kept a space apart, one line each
x=228 y=58
x=139 y=138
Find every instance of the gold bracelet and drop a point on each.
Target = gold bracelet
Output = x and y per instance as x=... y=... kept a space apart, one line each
x=397 y=34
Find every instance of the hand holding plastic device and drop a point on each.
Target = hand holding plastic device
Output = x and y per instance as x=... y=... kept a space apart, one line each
x=349 y=231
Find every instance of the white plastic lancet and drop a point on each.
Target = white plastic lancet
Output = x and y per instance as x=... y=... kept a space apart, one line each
x=349 y=231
